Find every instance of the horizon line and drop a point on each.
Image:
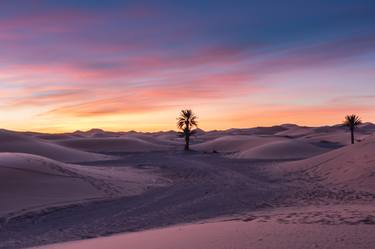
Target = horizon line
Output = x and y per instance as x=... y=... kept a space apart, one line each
x=176 y=130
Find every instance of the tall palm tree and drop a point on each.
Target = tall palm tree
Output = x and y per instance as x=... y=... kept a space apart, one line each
x=185 y=122
x=352 y=121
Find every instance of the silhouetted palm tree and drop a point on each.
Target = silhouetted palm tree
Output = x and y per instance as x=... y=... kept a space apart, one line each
x=186 y=121
x=352 y=121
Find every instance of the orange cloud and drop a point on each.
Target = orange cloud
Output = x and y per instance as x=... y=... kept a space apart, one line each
x=149 y=99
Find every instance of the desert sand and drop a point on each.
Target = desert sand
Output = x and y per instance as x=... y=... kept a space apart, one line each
x=268 y=187
x=270 y=231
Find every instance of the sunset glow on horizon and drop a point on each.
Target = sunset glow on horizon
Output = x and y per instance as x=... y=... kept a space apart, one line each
x=132 y=65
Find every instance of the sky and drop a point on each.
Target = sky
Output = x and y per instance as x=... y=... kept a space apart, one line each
x=133 y=65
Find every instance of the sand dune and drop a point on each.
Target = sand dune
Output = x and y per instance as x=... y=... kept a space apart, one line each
x=158 y=138
x=15 y=142
x=122 y=144
x=234 y=143
x=334 y=134
x=367 y=128
x=29 y=181
x=338 y=137
x=295 y=131
x=337 y=134
x=96 y=133
x=352 y=166
x=256 y=130
x=53 y=136
x=261 y=147
x=281 y=150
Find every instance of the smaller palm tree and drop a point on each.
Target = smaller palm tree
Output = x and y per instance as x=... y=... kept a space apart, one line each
x=352 y=121
x=185 y=122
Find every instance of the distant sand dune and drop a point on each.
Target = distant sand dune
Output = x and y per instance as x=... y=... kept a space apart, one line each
x=296 y=131
x=15 y=142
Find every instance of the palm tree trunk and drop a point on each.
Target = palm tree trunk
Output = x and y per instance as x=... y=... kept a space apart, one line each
x=352 y=133
x=187 y=135
x=187 y=142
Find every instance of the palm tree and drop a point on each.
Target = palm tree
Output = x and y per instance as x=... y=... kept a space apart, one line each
x=352 y=121
x=185 y=122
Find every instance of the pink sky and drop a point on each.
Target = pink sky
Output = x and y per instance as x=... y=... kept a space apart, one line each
x=133 y=67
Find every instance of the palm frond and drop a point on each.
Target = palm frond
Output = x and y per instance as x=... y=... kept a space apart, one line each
x=352 y=121
x=194 y=123
x=180 y=124
x=187 y=118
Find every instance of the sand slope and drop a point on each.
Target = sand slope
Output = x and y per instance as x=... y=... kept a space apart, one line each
x=29 y=181
x=281 y=150
x=257 y=234
x=352 y=166
x=14 y=142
